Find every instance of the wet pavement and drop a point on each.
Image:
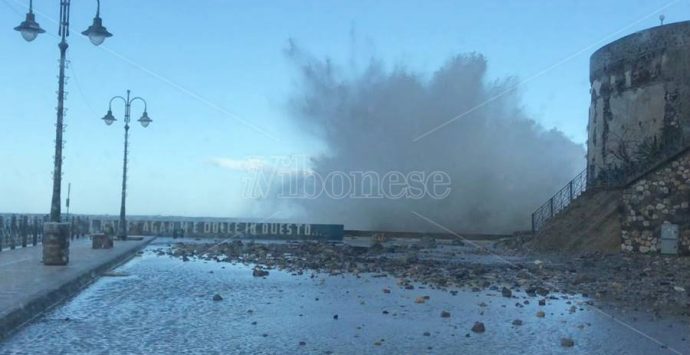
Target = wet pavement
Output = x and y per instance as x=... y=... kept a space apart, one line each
x=162 y=305
x=27 y=287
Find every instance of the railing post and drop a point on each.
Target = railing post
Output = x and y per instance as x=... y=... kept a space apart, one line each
x=551 y=207
x=2 y=231
x=13 y=232
x=35 y=234
x=39 y=229
x=23 y=229
x=570 y=190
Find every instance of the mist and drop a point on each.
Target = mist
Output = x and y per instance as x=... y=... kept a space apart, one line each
x=502 y=164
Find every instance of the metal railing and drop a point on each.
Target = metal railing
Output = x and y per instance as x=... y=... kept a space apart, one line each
x=612 y=177
x=559 y=201
x=21 y=231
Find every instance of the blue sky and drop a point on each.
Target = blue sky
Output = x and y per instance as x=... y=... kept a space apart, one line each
x=217 y=82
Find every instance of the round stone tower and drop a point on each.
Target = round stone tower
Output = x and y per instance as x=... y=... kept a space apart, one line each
x=640 y=109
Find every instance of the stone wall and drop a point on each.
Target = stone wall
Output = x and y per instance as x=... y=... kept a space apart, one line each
x=640 y=98
x=661 y=196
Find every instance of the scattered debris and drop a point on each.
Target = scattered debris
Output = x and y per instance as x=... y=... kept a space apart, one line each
x=258 y=272
x=567 y=342
x=478 y=327
x=376 y=248
x=626 y=281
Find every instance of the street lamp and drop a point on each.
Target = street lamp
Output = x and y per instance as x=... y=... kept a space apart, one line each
x=144 y=121
x=96 y=32
x=30 y=29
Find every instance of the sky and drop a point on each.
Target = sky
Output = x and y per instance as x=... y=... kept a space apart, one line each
x=217 y=83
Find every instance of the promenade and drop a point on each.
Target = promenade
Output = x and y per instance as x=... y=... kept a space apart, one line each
x=28 y=288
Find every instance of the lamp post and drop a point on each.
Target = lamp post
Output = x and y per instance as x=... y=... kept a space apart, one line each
x=29 y=30
x=145 y=121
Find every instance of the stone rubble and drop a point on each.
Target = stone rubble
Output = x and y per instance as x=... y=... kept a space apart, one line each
x=650 y=283
x=478 y=327
x=567 y=342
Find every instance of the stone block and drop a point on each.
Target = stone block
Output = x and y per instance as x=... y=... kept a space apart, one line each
x=56 y=243
x=101 y=241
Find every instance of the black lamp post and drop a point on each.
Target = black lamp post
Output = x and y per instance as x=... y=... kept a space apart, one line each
x=145 y=121
x=30 y=29
x=56 y=234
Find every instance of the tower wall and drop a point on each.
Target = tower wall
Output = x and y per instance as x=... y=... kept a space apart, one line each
x=640 y=89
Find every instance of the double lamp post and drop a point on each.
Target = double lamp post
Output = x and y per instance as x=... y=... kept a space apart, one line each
x=109 y=119
x=56 y=233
